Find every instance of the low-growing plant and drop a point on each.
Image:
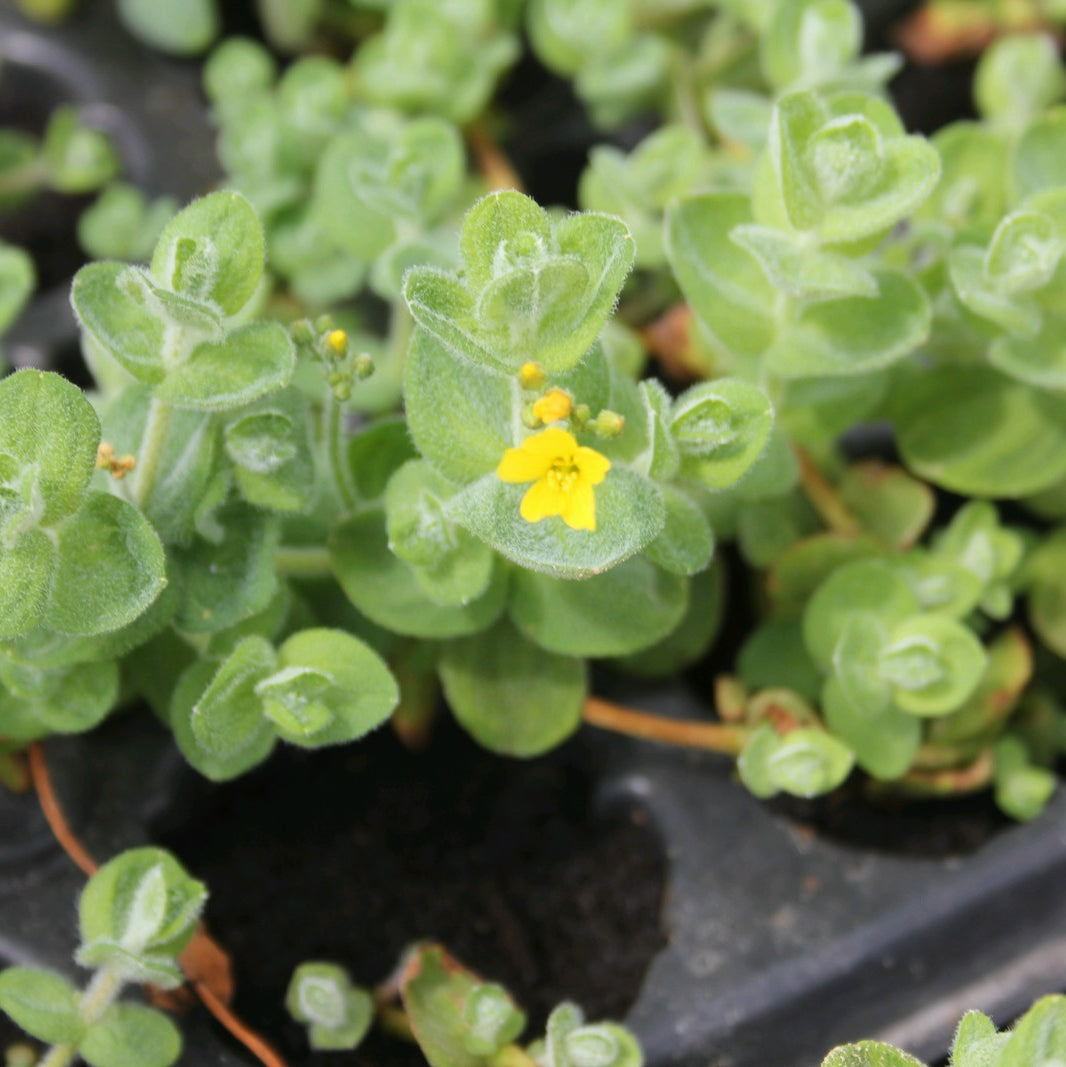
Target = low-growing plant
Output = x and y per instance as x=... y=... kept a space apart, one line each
x=369 y=426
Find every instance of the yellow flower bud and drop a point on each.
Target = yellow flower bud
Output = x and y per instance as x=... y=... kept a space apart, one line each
x=338 y=341
x=554 y=405
x=531 y=376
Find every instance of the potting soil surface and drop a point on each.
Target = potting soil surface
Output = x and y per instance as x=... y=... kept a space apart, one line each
x=350 y=854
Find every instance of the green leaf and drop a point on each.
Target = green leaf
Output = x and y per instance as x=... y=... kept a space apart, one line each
x=337 y=1014
x=979 y=294
x=721 y=280
x=110 y=567
x=511 y=695
x=571 y=1042
x=117 y=889
x=123 y=224
x=869 y=1054
x=809 y=40
x=116 y=307
x=774 y=657
x=934 y=664
x=131 y=1033
x=802 y=270
x=76 y=158
x=212 y=251
x=457 y=1020
x=1038 y=161
x=885 y=741
x=629 y=515
x=616 y=613
x=996 y=438
x=686 y=544
x=461 y=417
x=1017 y=78
x=68 y=700
x=976 y=1043
x=1047 y=593
x=48 y=435
x=1040 y=1035
x=854 y=335
x=892 y=505
x=375 y=453
x=1038 y=360
x=229 y=577
x=43 y=1004
x=251 y=362
x=180 y=29
x=857 y=664
x=862 y=586
x=231 y=733
x=359 y=693
x=387 y=591
x=270 y=446
x=808 y=763
x=1022 y=788
x=721 y=429
x=17 y=279
x=27 y=567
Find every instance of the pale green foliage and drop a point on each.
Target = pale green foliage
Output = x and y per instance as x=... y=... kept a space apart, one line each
x=1039 y=1037
x=336 y=1013
x=437 y=58
x=123 y=224
x=136 y=915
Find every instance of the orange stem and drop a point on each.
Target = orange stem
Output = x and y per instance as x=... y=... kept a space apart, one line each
x=256 y=1045
x=825 y=499
x=492 y=163
x=713 y=736
x=53 y=811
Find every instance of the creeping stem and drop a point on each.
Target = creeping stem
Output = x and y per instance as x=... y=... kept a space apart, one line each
x=712 y=736
x=336 y=439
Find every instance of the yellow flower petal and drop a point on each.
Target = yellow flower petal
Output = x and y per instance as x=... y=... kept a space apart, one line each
x=542 y=500
x=592 y=464
x=519 y=465
x=536 y=455
x=579 y=509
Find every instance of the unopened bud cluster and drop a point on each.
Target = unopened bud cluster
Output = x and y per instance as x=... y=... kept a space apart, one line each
x=557 y=405
x=331 y=346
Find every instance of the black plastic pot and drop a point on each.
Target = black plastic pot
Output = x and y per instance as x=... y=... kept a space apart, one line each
x=783 y=937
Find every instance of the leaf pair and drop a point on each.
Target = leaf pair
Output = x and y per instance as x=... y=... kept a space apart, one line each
x=73 y=560
x=320 y=687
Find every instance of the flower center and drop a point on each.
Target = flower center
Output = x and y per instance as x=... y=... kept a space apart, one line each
x=563 y=474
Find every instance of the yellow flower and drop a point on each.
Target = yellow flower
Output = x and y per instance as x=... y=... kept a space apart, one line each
x=563 y=474
x=530 y=375
x=553 y=405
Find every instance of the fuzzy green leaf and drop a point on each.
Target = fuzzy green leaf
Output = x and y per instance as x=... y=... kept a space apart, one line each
x=996 y=438
x=511 y=695
x=337 y=1014
x=869 y=1054
x=884 y=740
x=43 y=1004
x=131 y=1033
x=622 y=611
x=110 y=567
x=251 y=362
x=387 y=591
x=212 y=251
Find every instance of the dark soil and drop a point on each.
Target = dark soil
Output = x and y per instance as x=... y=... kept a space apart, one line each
x=351 y=854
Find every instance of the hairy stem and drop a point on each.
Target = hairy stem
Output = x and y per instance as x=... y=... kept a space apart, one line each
x=492 y=163
x=336 y=439
x=155 y=434
x=711 y=736
x=97 y=998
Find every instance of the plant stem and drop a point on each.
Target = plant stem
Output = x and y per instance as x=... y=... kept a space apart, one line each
x=825 y=499
x=492 y=163
x=155 y=434
x=303 y=561
x=336 y=437
x=394 y=1021
x=97 y=998
x=711 y=736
